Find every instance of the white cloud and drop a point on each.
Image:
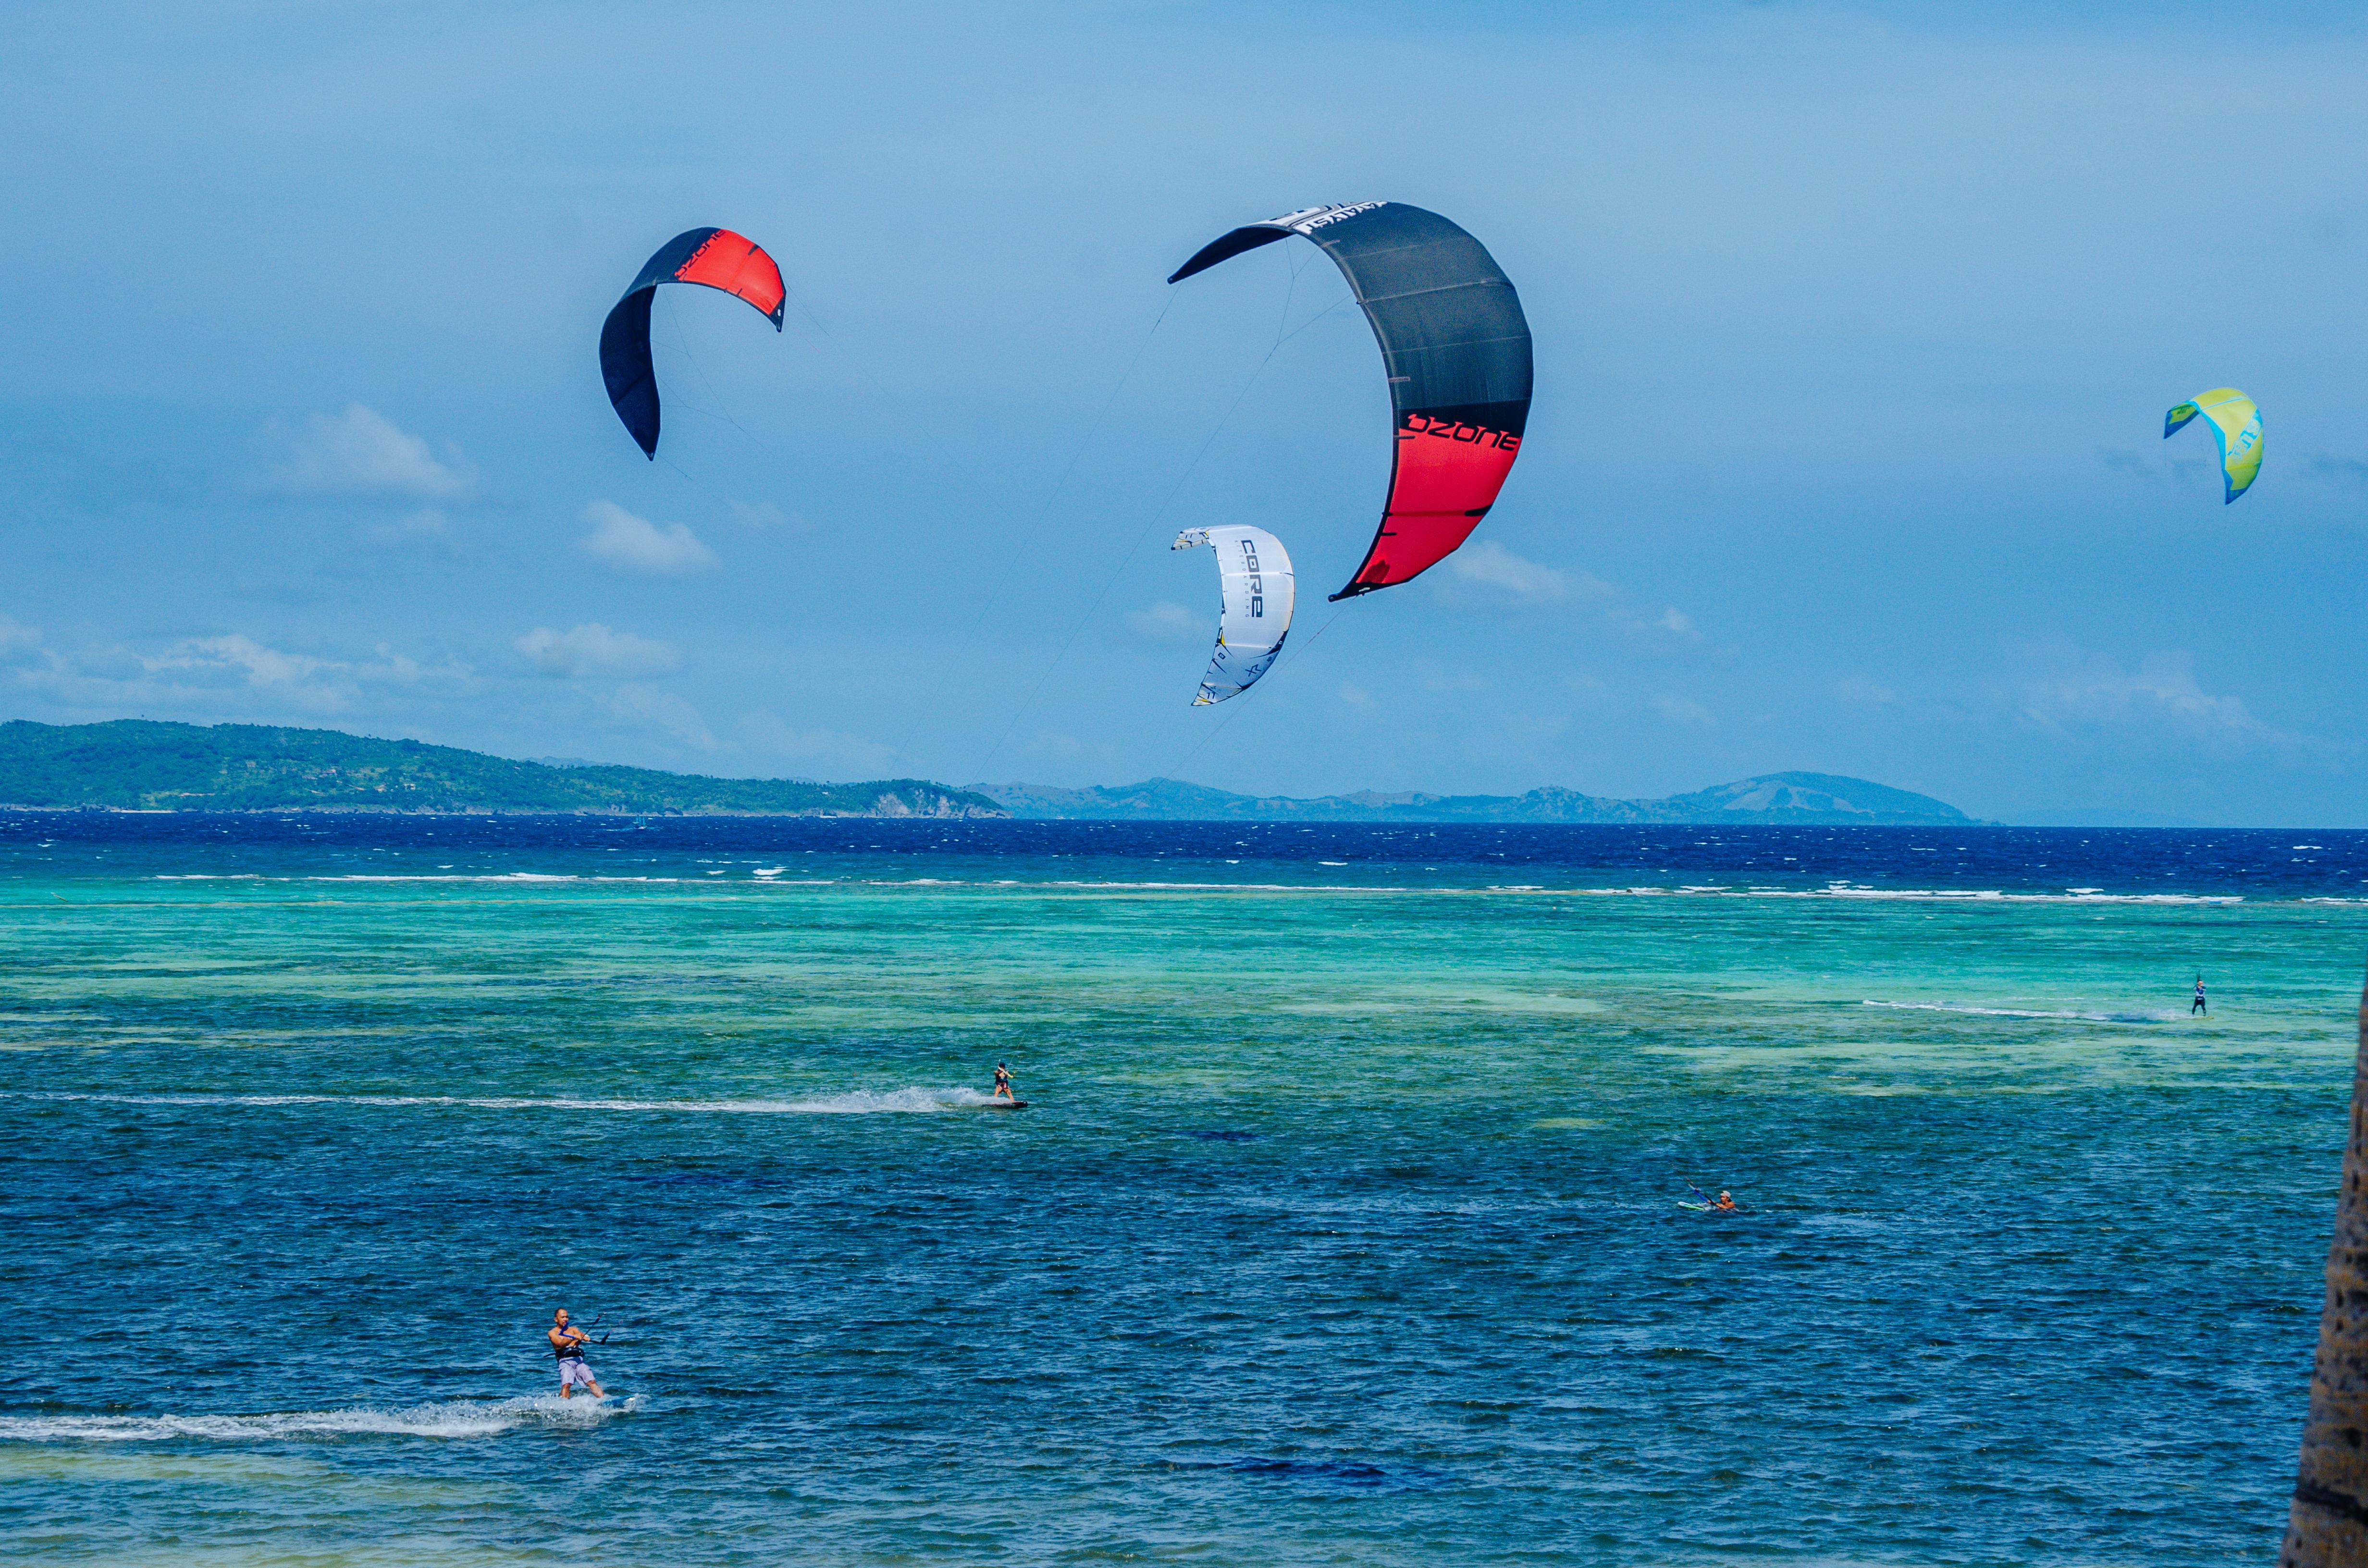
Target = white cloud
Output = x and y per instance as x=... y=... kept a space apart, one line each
x=1491 y=565
x=593 y=649
x=361 y=452
x=15 y=635
x=1169 y=622
x=1355 y=695
x=2162 y=689
x=1676 y=622
x=634 y=544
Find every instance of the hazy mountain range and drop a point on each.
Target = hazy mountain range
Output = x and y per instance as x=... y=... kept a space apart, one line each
x=141 y=765
x=1805 y=798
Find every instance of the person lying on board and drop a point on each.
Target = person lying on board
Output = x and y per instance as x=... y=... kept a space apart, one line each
x=1725 y=1204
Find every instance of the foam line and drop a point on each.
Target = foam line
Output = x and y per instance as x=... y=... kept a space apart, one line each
x=1687 y=890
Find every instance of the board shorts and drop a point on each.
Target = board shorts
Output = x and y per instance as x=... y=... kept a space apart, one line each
x=573 y=1371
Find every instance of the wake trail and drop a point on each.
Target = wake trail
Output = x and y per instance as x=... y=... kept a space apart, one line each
x=858 y=1102
x=450 y=1418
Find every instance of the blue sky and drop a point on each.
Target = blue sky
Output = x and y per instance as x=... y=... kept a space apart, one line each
x=1855 y=325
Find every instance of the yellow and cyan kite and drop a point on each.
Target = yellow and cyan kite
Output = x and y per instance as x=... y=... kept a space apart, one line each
x=2237 y=424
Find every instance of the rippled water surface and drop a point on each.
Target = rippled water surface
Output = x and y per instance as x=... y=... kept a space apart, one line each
x=1342 y=1226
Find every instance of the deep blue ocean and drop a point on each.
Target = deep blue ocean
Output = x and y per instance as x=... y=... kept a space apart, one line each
x=1342 y=1226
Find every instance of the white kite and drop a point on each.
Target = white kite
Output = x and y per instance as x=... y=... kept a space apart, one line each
x=1254 y=575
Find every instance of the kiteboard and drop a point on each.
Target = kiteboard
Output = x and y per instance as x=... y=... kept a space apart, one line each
x=1004 y=1105
x=1697 y=1208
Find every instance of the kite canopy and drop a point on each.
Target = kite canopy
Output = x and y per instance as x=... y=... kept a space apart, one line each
x=2237 y=425
x=1456 y=350
x=1255 y=580
x=715 y=258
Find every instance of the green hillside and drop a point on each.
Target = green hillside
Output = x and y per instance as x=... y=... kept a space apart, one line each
x=141 y=765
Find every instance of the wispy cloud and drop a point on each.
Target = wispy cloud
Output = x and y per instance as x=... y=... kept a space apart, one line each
x=593 y=649
x=1486 y=575
x=1863 y=690
x=427 y=523
x=228 y=675
x=663 y=710
x=361 y=452
x=2343 y=471
x=2161 y=691
x=763 y=516
x=1488 y=564
x=1170 y=622
x=627 y=544
x=1682 y=709
x=264 y=665
x=825 y=752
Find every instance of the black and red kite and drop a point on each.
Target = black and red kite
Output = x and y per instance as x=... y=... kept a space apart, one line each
x=715 y=258
x=1456 y=348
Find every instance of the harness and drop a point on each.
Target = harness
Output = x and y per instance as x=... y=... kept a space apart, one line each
x=572 y=1350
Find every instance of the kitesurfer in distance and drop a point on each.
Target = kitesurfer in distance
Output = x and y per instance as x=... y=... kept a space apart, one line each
x=1002 y=1081
x=2199 y=1006
x=568 y=1344
x=1723 y=1204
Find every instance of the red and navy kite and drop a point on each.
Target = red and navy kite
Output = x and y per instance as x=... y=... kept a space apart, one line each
x=715 y=258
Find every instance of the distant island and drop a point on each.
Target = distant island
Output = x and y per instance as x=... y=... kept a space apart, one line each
x=142 y=765
x=145 y=764
x=1809 y=799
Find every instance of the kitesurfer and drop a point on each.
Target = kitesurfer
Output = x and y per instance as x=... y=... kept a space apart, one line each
x=1723 y=1204
x=1002 y=1081
x=568 y=1344
x=2199 y=1006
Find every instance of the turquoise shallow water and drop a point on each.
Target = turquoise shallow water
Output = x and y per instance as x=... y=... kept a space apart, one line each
x=1342 y=1228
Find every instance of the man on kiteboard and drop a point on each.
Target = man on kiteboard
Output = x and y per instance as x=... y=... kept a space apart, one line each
x=2199 y=1006
x=568 y=1344
x=1002 y=1081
